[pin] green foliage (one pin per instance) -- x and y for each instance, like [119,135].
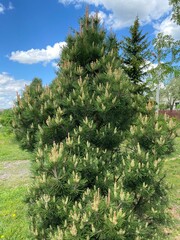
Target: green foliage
[98,168]
[172,92]
[135,56]
[178,106]
[30,111]
[6,117]
[159,131]
[89,86]
[165,46]
[85,192]
[27,114]
[16,226]
[166,52]
[163,106]
[176,10]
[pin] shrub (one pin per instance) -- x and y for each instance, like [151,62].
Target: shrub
[6,117]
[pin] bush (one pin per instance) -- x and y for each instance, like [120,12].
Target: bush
[6,117]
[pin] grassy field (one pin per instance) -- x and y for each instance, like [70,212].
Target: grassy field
[14,181]
[172,168]
[9,150]
[13,220]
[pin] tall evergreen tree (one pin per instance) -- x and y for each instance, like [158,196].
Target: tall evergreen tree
[89,64]
[89,181]
[94,108]
[135,56]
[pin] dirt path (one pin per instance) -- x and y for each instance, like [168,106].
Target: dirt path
[14,173]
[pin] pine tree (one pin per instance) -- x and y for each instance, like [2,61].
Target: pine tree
[135,56]
[30,111]
[88,85]
[94,108]
[26,114]
[92,178]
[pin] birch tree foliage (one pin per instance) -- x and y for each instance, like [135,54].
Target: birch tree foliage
[172,90]
[166,58]
[176,10]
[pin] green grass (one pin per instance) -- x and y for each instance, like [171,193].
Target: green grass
[9,149]
[13,220]
[172,168]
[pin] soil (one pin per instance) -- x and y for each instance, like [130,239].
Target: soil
[13,173]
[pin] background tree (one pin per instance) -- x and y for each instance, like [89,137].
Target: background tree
[6,118]
[171,92]
[136,56]
[176,10]
[166,53]
[31,110]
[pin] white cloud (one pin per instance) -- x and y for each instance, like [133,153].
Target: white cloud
[101,15]
[2,8]
[123,12]
[38,55]
[55,65]
[8,89]
[150,66]
[167,26]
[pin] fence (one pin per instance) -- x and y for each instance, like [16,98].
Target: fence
[171,113]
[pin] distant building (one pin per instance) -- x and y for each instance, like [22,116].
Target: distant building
[176,105]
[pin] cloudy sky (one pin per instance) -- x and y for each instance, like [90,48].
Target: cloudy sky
[34,32]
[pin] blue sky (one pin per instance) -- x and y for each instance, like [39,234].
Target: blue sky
[34,32]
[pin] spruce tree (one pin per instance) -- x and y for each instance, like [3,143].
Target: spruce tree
[135,56]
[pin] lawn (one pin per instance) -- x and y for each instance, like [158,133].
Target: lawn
[14,180]
[13,186]
[172,168]
[9,149]
[13,220]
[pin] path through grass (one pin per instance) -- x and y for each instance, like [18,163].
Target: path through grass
[14,180]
